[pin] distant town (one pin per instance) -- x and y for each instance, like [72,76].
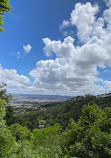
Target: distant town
[28,102]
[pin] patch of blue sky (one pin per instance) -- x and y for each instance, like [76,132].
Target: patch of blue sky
[104,73]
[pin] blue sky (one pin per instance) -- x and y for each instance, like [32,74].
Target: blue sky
[28,23]
[57,47]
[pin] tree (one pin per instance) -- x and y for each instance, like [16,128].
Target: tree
[9,115]
[3,94]
[47,140]
[6,140]
[4,7]
[90,137]
[11,147]
[19,132]
[47,136]
[6,98]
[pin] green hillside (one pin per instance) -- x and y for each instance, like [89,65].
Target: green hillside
[61,112]
[80,127]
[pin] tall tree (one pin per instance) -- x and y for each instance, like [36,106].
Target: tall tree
[4,7]
[3,94]
[6,98]
[6,140]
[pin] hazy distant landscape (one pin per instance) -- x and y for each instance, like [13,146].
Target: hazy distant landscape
[22,99]
[29,102]
[39,98]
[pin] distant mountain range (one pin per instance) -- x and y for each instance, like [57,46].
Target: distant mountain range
[41,98]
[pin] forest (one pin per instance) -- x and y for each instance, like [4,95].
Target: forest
[78,128]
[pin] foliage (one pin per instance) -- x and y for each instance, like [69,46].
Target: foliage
[9,115]
[23,149]
[48,140]
[6,98]
[4,7]
[47,135]
[87,137]
[19,132]
[3,94]
[62,112]
[90,137]
[6,140]
[18,142]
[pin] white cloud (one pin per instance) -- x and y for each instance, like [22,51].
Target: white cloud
[74,71]
[83,17]
[107,85]
[27,48]
[108,2]
[75,68]
[65,23]
[15,82]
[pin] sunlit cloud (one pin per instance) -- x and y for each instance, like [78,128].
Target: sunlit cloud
[27,48]
[74,71]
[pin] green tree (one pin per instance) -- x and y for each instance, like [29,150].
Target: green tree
[3,94]
[6,98]
[4,7]
[6,140]
[9,115]
[19,132]
[47,136]
[90,137]
[9,147]
[47,140]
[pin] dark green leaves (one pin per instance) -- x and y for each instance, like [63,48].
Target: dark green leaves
[90,137]
[4,7]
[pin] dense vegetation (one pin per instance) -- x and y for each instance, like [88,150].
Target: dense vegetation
[60,112]
[4,7]
[86,130]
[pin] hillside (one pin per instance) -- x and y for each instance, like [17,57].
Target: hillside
[75,128]
[52,113]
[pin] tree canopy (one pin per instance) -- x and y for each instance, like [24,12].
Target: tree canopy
[87,137]
[4,7]
[90,137]
[3,94]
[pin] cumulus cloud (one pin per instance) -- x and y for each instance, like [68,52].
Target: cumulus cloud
[108,2]
[107,85]
[74,71]
[27,48]
[15,82]
[83,17]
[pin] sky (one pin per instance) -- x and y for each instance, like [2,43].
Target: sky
[57,47]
